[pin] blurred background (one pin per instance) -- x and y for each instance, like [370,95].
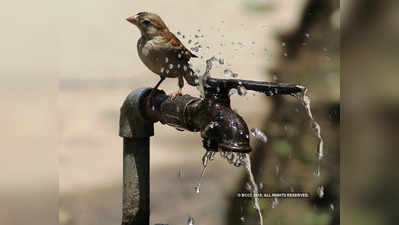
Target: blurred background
[67,67]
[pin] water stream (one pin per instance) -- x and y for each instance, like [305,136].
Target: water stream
[238,160]
[254,188]
[305,100]
[208,156]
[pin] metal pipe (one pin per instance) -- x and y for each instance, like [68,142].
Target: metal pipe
[136,132]
[136,187]
[221,129]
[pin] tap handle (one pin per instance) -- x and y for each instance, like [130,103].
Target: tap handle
[268,88]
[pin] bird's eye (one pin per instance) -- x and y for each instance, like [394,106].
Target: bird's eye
[145,22]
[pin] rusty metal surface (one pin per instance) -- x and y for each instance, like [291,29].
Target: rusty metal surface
[136,132]
[220,127]
[132,123]
[136,187]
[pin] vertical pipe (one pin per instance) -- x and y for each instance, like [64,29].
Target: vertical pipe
[136,177]
[136,132]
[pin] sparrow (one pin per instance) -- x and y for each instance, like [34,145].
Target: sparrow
[162,52]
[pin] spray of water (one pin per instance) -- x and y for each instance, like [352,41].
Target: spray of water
[254,188]
[208,156]
[305,100]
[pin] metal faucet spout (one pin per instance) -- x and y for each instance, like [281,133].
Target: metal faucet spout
[221,128]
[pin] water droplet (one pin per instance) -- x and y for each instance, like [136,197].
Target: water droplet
[195,49]
[180,174]
[248,186]
[320,191]
[307,35]
[277,170]
[229,73]
[242,219]
[261,185]
[190,221]
[166,59]
[259,135]
[185,68]
[283,44]
[317,172]
[274,203]
[232,91]
[332,207]
[197,189]
[153,108]
[285,54]
[170,66]
[242,91]
[178,66]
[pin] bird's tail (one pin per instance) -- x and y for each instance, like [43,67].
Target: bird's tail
[191,78]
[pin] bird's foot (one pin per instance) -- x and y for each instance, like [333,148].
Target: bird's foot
[177,93]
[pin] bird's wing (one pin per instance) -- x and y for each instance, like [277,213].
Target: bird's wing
[179,47]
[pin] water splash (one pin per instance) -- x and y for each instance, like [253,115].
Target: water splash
[321,191]
[315,126]
[242,91]
[195,49]
[234,158]
[229,73]
[317,171]
[259,135]
[204,76]
[208,156]
[247,163]
[274,203]
[232,91]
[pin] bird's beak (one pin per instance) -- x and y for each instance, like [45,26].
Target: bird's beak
[133,19]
